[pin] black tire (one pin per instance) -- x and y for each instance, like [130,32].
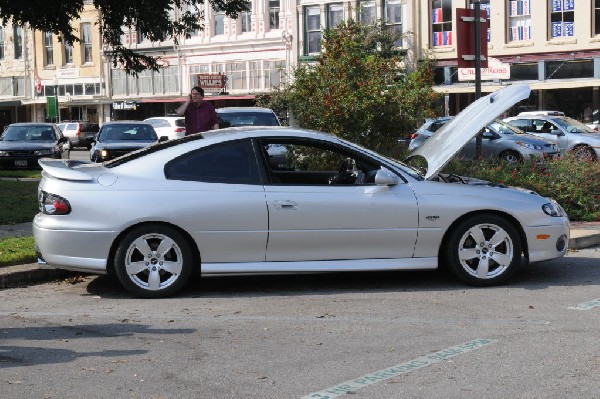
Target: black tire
[584,153]
[148,273]
[483,250]
[511,157]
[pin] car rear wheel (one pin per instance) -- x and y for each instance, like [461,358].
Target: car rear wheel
[483,250]
[153,261]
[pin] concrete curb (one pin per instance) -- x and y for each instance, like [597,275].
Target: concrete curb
[28,274]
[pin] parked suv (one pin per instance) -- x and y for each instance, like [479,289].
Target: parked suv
[500,140]
[570,135]
[80,133]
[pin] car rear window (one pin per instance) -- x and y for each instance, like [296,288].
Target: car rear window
[233,119]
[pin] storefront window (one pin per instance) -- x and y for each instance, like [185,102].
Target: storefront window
[367,13]
[335,15]
[485,6]
[312,23]
[519,20]
[562,18]
[441,22]
[236,76]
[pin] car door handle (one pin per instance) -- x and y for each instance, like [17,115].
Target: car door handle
[285,204]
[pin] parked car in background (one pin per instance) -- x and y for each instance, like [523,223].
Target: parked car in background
[80,133]
[118,138]
[595,123]
[500,140]
[569,134]
[22,144]
[246,116]
[171,126]
[215,203]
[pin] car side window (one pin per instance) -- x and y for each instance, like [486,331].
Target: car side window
[523,124]
[314,163]
[232,162]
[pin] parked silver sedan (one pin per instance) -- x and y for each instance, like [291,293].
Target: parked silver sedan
[274,199]
[570,135]
[499,140]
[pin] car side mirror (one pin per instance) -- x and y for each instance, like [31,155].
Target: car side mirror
[384,177]
[488,135]
[556,132]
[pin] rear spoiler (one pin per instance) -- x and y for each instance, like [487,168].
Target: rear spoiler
[62,169]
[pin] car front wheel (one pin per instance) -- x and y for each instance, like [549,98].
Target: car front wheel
[153,261]
[483,250]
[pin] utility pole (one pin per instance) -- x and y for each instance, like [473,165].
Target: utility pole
[477,12]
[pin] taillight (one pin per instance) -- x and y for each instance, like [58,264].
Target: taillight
[179,129]
[414,136]
[52,204]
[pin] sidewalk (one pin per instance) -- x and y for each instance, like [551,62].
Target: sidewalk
[583,235]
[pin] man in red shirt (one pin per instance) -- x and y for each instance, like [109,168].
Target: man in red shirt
[200,115]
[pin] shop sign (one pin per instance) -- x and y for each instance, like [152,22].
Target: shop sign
[65,73]
[125,105]
[211,82]
[496,70]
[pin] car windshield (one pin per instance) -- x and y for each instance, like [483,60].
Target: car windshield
[29,133]
[504,128]
[247,118]
[127,132]
[573,126]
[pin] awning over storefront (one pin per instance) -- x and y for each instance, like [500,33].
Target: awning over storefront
[10,103]
[207,97]
[534,84]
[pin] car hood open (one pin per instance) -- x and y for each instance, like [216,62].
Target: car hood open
[454,135]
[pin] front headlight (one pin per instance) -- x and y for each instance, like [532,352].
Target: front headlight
[4,153]
[44,152]
[554,209]
[530,146]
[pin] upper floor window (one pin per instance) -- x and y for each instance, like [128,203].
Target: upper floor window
[335,15]
[18,41]
[274,14]
[246,17]
[441,22]
[1,43]
[485,6]
[312,25]
[219,23]
[393,18]
[519,20]
[562,18]
[48,49]
[367,12]
[596,26]
[86,41]
[68,51]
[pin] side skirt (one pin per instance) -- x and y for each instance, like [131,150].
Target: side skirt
[322,266]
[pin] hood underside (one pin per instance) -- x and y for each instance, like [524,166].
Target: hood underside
[446,142]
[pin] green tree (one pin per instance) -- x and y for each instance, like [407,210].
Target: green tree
[152,18]
[360,88]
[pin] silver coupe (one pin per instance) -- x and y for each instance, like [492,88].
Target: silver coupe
[285,200]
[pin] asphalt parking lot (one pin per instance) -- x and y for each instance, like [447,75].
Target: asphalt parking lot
[375,335]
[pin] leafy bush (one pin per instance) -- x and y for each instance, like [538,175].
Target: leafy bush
[575,185]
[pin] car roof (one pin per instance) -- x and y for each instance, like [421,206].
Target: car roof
[540,112]
[32,124]
[164,117]
[244,109]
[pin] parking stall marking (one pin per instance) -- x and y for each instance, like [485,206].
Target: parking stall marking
[394,371]
[587,305]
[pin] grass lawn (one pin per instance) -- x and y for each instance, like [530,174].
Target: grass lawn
[16,251]
[19,201]
[19,205]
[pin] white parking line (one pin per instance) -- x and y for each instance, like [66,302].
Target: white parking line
[394,371]
[587,305]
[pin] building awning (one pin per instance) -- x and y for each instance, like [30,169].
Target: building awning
[489,87]
[10,103]
[208,97]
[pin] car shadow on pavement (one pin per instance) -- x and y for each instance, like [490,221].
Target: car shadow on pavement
[577,271]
